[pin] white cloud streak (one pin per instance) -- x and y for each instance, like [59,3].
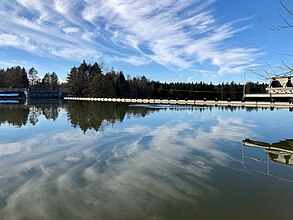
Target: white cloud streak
[177,34]
[118,169]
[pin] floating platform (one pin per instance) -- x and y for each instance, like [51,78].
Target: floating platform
[268,96]
[189,102]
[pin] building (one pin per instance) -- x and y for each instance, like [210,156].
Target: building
[279,89]
[280,85]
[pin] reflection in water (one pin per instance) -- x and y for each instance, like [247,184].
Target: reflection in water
[50,110]
[280,152]
[20,114]
[91,115]
[177,163]
[85,115]
[14,114]
[112,173]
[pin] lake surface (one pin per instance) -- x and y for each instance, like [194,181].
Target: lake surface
[85,160]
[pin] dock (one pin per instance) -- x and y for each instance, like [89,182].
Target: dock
[270,95]
[260,104]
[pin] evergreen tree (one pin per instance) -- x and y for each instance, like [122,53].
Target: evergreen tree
[46,85]
[97,86]
[54,81]
[95,80]
[24,79]
[84,73]
[74,83]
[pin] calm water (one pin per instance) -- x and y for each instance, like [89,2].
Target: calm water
[109,161]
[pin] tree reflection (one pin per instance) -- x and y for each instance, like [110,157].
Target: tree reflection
[20,114]
[50,110]
[16,115]
[34,115]
[88,115]
[85,115]
[93,115]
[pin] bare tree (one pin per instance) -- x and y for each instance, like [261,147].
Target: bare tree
[285,69]
[270,72]
[286,15]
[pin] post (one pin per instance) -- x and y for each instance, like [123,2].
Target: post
[244,84]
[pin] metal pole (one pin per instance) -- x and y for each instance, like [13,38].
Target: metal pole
[244,84]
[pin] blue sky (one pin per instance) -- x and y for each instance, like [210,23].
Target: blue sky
[167,40]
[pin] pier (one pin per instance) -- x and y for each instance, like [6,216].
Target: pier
[189,102]
[270,96]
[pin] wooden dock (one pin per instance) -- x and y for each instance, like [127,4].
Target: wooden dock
[189,102]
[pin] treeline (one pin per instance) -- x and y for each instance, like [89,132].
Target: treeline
[19,77]
[15,77]
[91,81]
[49,82]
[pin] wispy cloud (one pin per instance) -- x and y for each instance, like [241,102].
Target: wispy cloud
[117,169]
[134,60]
[177,34]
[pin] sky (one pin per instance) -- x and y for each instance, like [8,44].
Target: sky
[168,40]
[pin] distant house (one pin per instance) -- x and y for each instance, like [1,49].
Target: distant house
[279,89]
[281,85]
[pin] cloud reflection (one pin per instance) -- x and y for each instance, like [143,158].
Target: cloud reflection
[130,171]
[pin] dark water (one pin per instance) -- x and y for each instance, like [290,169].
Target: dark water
[85,160]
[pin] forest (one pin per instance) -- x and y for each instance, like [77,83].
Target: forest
[19,77]
[90,80]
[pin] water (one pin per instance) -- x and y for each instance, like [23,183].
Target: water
[85,160]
